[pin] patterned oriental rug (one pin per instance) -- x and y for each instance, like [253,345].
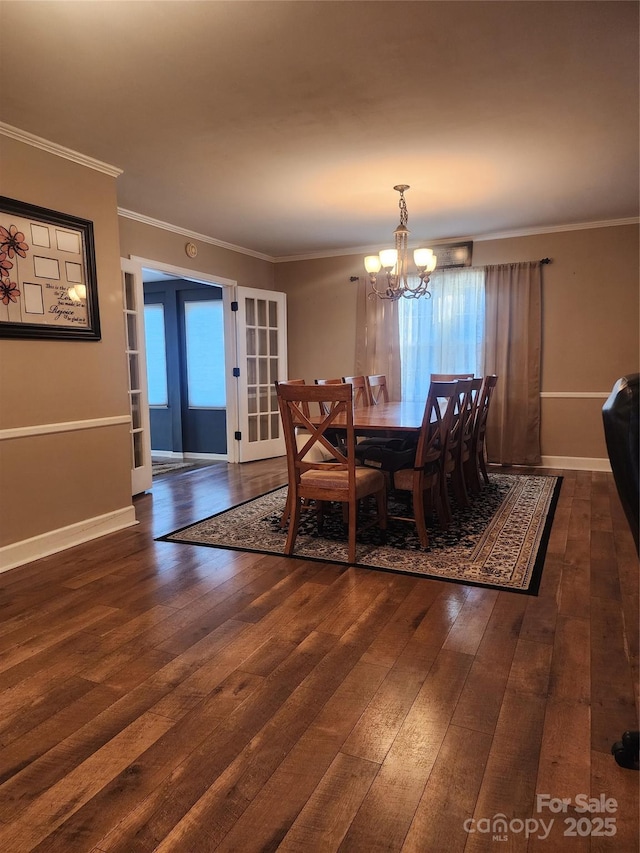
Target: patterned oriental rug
[499,541]
[165,467]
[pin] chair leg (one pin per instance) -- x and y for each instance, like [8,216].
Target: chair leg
[459,487]
[381,504]
[445,513]
[418,514]
[471,475]
[294,521]
[483,467]
[353,511]
[286,512]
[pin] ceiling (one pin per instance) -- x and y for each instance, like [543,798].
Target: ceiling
[282,127]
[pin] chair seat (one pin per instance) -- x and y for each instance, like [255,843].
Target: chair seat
[403,479]
[367,481]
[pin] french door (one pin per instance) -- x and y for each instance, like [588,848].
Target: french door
[261,338]
[255,347]
[141,471]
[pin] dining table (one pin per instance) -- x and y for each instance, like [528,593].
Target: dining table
[403,416]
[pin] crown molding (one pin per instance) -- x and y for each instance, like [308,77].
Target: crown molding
[478,238]
[555,229]
[113,171]
[203,238]
[58,150]
[363,250]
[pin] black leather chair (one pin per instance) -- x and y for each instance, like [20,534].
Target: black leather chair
[620,417]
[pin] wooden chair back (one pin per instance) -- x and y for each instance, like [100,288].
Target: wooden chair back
[426,480]
[324,406]
[378,390]
[437,420]
[298,382]
[470,418]
[460,439]
[484,401]
[462,405]
[361,396]
[293,400]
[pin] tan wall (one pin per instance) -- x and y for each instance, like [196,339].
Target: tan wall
[589,334]
[321,311]
[58,479]
[156,244]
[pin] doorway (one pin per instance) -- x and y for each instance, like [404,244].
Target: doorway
[185,356]
[253,340]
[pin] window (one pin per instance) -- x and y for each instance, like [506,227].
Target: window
[443,334]
[204,335]
[156,355]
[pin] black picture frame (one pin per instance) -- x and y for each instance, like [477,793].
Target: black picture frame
[48,284]
[454,255]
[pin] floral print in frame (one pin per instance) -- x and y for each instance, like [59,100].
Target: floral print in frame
[47,274]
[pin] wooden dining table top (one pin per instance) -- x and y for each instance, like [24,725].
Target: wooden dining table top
[404,416]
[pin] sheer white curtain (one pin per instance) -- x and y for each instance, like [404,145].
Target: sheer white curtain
[444,334]
[377,339]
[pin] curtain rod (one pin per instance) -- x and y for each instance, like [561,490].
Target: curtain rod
[545,261]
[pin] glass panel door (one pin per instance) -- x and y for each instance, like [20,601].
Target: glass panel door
[133,301]
[262,359]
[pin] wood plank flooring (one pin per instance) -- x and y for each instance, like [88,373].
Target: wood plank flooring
[166,697]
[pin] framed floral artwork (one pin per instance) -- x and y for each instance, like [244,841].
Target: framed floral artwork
[47,274]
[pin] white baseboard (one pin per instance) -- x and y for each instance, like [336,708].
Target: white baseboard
[19,553]
[206,457]
[168,454]
[576,463]
[177,456]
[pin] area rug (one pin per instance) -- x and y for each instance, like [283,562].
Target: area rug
[166,467]
[499,541]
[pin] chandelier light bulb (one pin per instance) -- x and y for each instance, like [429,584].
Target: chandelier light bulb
[388,258]
[423,258]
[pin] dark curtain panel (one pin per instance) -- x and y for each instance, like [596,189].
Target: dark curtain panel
[512,351]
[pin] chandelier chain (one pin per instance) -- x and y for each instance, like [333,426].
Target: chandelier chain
[404,214]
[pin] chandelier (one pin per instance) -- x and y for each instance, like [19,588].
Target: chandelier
[395,263]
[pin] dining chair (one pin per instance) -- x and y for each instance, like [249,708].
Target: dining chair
[468,410]
[425,478]
[378,389]
[361,396]
[317,453]
[449,377]
[476,464]
[452,461]
[336,480]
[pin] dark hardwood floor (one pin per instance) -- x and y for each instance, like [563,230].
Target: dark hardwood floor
[167,697]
